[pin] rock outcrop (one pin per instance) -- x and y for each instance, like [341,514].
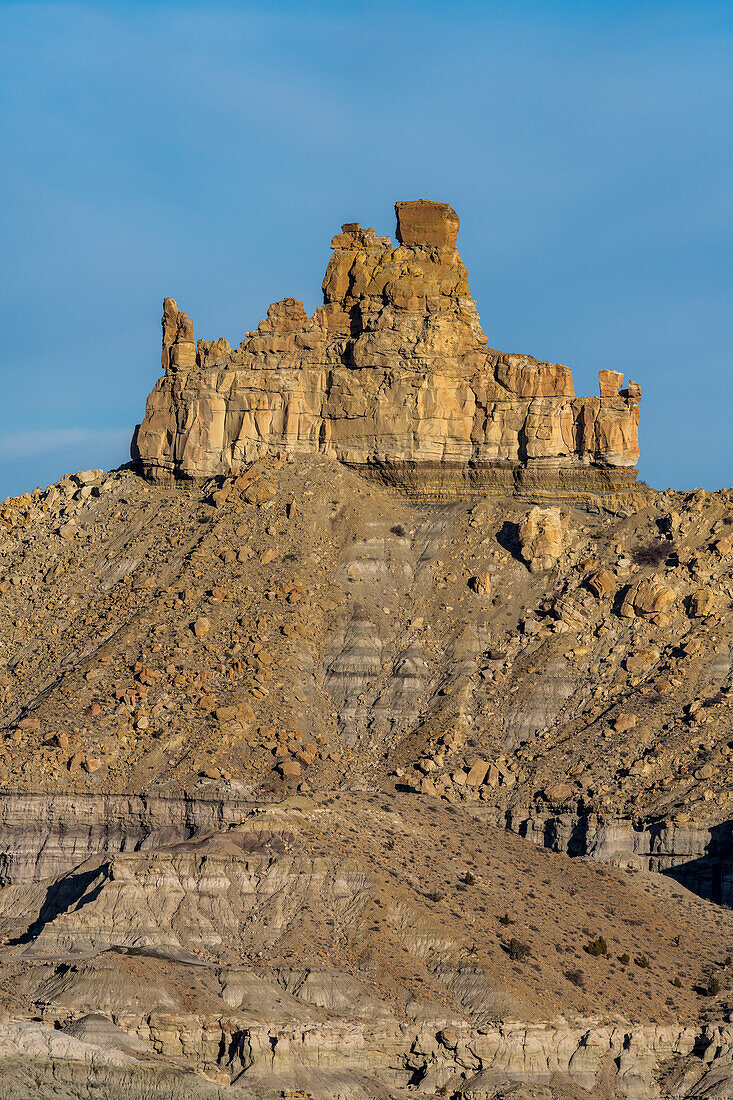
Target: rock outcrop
[540,537]
[392,375]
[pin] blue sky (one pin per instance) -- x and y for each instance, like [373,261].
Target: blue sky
[208,151]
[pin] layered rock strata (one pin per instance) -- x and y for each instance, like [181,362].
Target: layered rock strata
[392,375]
[361,1062]
[43,836]
[299,953]
[695,854]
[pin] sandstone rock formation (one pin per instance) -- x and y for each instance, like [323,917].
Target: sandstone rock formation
[650,596]
[391,375]
[540,537]
[293,765]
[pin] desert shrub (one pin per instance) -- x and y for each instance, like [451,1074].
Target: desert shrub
[576,977]
[713,987]
[642,961]
[505,920]
[653,553]
[596,947]
[624,959]
[434,895]
[517,950]
[468,879]
[677,983]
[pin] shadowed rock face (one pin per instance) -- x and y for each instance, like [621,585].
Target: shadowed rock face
[392,374]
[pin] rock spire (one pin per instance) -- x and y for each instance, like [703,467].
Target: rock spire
[392,375]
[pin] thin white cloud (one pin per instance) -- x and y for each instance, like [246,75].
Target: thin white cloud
[39,442]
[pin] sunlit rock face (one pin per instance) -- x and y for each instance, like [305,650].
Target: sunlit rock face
[391,375]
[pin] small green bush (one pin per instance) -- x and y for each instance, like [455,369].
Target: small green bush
[642,961]
[506,919]
[596,947]
[713,987]
[677,983]
[624,959]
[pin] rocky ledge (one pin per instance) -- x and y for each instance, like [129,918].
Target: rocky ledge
[392,375]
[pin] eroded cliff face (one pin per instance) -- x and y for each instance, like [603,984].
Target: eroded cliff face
[346,946]
[391,375]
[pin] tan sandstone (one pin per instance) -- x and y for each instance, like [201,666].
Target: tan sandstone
[541,538]
[392,375]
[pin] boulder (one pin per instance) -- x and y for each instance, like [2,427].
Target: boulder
[647,597]
[642,660]
[201,627]
[260,492]
[602,583]
[422,222]
[481,584]
[556,793]
[541,539]
[477,773]
[570,612]
[701,602]
[88,477]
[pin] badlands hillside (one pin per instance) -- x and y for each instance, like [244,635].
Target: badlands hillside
[369,734]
